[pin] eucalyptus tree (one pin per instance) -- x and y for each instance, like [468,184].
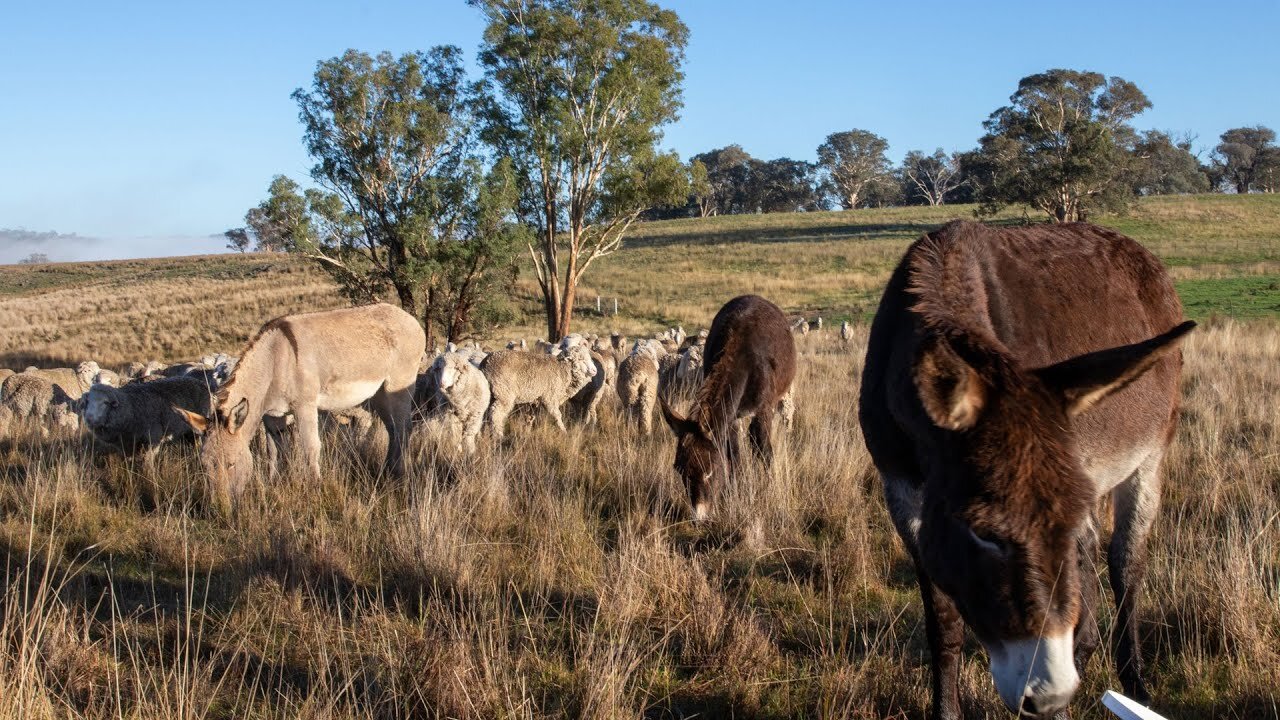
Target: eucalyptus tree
[578,91]
[1063,145]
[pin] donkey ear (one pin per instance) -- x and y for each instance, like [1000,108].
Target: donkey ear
[952,392]
[679,424]
[198,422]
[238,415]
[1086,379]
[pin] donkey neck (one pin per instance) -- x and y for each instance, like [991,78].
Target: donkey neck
[256,377]
[720,398]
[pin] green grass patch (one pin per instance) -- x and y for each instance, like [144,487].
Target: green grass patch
[1242,297]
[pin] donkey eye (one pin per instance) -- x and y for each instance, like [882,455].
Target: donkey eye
[988,542]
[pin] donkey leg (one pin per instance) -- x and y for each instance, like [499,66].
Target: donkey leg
[1086,634]
[393,408]
[945,630]
[943,625]
[760,434]
[1136,503]
[308,419]
[274,427]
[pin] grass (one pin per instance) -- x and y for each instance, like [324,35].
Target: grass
[553,575]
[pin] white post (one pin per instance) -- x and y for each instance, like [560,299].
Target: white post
[615,306]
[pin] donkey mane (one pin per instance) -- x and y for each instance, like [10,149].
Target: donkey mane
[280,324]
[721,391]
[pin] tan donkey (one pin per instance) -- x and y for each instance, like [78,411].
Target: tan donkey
[302,364]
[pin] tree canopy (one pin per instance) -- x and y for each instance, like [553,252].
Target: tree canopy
[403,203]
[577,95]
[1247,158]
[854,159]
[1063,145]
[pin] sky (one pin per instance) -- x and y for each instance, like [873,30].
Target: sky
[135,129]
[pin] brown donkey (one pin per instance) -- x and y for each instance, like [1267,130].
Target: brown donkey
[749,362]
[985,408]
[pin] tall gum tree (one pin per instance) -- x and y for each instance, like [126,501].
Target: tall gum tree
[578,91]
[1063,145]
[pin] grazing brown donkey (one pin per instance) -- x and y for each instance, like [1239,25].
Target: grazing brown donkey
[302,364]
[985,408]
[749,362]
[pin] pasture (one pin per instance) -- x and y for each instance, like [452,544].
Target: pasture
[554,575]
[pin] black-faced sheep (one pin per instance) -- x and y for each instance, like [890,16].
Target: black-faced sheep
[142,415]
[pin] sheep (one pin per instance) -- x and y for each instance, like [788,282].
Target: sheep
[846,333]
[4,375]
[27,396]
[543,346]
[181,369]
[819,323]
[787,408]
[587,400]
[517,378]
[143,416]
[618,347]
[518,345]
[89,373]
[65,378]
[638,382]
[681,375]
[464,394]
[801,326]
[474,354]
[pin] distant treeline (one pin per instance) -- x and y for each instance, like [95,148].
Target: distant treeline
[1014,164]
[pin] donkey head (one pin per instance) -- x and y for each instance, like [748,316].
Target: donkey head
[700,460]
[1006,503]
[224,451]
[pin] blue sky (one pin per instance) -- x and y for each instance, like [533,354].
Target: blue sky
[146,127]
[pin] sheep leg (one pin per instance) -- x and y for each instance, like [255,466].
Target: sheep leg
[470,430]
[647,400]
[554,411]
[498,413]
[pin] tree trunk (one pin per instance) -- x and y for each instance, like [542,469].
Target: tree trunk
[566,307]
[427,327]
[1242,188]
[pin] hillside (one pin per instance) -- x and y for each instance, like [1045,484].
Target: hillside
[1223,250]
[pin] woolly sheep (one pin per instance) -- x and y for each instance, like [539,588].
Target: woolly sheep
[27,396]
[845,332]
[801,326]
[141,416]
[464,396]
[681,375]
[638,382]
[90,373]
[517,378]
[65,378]
[587,400]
